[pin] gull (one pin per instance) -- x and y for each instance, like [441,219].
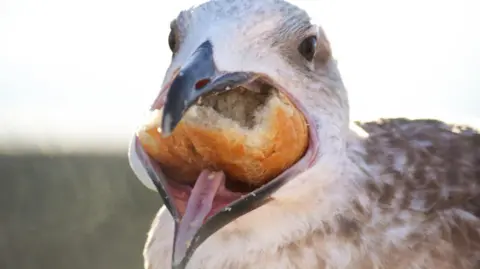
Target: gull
[388,194]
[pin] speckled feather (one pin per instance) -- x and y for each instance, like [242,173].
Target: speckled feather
[424,182]
[405,195]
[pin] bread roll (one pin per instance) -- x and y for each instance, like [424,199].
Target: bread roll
[252,137]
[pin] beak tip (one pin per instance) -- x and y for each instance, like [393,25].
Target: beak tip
[178,266]
[168,124]
[179,261]
[166,134]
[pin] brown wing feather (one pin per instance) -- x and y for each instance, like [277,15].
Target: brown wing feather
[433,168]
[438,159]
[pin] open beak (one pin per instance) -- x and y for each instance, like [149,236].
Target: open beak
[197,78]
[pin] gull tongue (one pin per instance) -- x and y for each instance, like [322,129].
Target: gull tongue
[198,206]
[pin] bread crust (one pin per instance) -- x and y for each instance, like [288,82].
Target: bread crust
[253,156]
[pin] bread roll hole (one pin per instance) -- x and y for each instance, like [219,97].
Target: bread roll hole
[243,105]
[240,104]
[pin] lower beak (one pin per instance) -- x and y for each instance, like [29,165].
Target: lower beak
[188,238]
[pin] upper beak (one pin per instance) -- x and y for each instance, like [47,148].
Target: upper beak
[196,78]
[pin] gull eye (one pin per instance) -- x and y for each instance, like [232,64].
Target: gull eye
[172,41]
[307,47]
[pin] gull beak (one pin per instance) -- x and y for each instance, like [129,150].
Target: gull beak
[197,77]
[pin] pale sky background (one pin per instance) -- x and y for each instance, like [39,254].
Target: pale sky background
[86,71]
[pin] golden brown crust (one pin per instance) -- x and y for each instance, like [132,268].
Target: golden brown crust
[193,147]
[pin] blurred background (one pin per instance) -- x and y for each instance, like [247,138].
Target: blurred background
[77,76]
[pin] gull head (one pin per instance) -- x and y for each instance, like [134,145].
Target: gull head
[256,45]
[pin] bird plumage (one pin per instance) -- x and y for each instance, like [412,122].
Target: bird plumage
[402,195]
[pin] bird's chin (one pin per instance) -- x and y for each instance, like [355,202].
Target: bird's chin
[227,198]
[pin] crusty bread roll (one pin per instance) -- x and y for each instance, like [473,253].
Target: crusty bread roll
[251,136]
